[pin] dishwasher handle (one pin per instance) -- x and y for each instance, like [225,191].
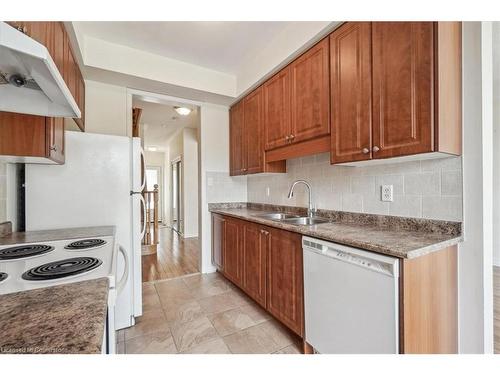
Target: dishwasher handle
[389,268]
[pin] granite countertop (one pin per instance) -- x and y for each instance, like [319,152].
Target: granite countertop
[67,318]
[56,234]
[390,235]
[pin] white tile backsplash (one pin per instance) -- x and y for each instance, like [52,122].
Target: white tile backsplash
[429,189]
[223,188]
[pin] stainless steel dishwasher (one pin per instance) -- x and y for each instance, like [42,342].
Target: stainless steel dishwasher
[351,299]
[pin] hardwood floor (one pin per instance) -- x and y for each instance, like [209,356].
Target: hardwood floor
[176,257]
[496,303]
[203,314]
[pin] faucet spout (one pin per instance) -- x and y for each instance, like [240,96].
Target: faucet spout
[310,210]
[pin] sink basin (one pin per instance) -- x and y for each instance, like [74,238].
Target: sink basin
[278,216]
[306,220]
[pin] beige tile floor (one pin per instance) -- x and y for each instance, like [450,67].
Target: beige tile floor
[203,314]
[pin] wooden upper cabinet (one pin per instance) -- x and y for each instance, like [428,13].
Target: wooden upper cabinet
[236,140]
[70,71]
[310,95]
[351,92]
[403,95]
[232,250]
[31,139]
[285,291]
[277,110]
[57,50]
[254,258]
[55,139]
[253,131]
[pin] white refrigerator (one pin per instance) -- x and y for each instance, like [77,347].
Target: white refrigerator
[95,187]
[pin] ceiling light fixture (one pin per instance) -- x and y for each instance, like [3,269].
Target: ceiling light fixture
[183,111]
[152,148]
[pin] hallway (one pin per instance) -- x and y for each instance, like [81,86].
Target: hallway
[176,257]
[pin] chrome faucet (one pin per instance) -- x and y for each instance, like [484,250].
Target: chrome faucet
[310,210]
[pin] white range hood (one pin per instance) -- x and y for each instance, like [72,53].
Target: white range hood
[29,79]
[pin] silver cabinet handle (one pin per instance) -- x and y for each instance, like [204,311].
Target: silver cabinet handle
[376,149]
[365,151]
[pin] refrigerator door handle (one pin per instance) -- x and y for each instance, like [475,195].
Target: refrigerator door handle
[143,170]
[143,202]
[124,278]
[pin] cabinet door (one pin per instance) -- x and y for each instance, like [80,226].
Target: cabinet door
[253,128]
[22,135]
[255,247]
[232,251]
[277,126]
[218,234]
[311,94]
[236,140]
[351,107]
[55,139]
[284,279]
[403,71]
[57,51]
[70,68]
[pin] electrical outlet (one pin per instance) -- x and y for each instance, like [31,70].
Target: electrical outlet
[387,193]
[268,191]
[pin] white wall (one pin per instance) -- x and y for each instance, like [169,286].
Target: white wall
[475,253]
[424,189]
[105,109]
[496,143]
[190,181]
[279,50]
[101,54]
[214,157]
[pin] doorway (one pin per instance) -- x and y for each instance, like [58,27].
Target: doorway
[170,139]
[176,203]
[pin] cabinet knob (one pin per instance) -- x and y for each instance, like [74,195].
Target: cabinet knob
[292,137]
[287,138]
[376,149]
[365,151]
[53,148]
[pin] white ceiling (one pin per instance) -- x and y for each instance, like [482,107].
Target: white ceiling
[160,122]
[221,46]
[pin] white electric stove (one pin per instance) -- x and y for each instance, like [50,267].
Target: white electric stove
[49,263]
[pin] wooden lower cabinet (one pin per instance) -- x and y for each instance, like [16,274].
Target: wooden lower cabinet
[264,262]
[267,264]
[285,291]
[256,244]
[232,261]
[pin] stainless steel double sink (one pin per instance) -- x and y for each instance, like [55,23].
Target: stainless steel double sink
[292,218]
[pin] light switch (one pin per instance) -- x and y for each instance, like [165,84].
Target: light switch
[387,193]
